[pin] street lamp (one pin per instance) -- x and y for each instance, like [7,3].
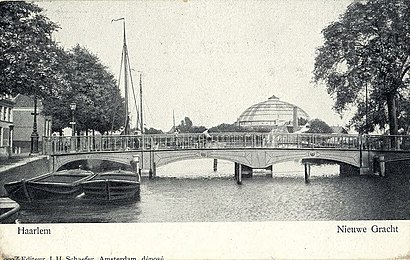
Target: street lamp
[34,135]
[73,106]
[367,112]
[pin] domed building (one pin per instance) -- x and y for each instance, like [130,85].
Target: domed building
[272,114]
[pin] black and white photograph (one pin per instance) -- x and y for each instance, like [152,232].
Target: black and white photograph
[228,129]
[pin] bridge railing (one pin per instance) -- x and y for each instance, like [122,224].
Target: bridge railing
[387,142]
[225,140]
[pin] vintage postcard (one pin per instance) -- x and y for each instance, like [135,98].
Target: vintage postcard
[158,130]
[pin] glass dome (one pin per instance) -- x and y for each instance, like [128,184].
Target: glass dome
[270,113]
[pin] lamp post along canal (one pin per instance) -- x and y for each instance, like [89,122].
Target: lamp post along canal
[34,135]
[73,106]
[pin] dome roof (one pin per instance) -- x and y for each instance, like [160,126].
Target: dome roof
[269,113]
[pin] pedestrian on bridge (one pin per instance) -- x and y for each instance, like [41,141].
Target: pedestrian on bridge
[207,138]
[176,133]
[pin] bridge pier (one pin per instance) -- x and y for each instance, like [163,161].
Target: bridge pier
[382,166]
[152,165]
[236,170]
[135,164]
[239,180]
[366,159]
[379,165]
[307,172]
[238,173]
[270,169]
[152,173]
[243,171]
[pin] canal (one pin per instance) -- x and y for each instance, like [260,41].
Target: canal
[191,191]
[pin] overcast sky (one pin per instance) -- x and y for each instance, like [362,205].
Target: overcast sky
[208,60]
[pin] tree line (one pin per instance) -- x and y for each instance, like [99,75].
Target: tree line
[364,64]
[33,64]
[315,126]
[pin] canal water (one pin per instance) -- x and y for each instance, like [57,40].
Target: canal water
[191,191]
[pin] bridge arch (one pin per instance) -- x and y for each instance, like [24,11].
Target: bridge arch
[57,161]
[252,157]
[350,159]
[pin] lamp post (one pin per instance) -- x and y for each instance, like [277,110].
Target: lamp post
[73,106]
[34,135]
[367,111]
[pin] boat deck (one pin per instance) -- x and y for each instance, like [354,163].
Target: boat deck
[120,176]
[62,178]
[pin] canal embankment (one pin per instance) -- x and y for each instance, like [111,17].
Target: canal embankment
[22,167]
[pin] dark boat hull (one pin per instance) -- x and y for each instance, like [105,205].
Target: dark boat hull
[18,191]
[120,185]
[8,211]
[50,186]
[50,191]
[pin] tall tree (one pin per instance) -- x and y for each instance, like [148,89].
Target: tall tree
[368,48]
[187,126]
[319,126]
[93,89]
[29,58]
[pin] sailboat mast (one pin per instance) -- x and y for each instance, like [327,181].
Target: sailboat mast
[142,119]
[125,50]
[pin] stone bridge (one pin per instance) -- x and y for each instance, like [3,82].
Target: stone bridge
[364,154]
[252,150]
[259,158]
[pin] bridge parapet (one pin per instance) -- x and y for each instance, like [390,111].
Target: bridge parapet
[86,144]
[387,142]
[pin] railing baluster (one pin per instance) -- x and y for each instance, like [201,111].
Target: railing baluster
[227,140]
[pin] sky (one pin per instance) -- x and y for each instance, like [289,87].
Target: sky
[208,60]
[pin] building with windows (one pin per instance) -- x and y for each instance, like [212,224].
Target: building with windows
[6,125]
[273,114]
[23,123]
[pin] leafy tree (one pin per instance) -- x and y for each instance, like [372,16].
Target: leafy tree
[302,121]
[29,58]
[152,131]
[198,129]
[368,48]
[94,91]
[226,128]
[319,126]
[235,128]
[99,99]
[186,126]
